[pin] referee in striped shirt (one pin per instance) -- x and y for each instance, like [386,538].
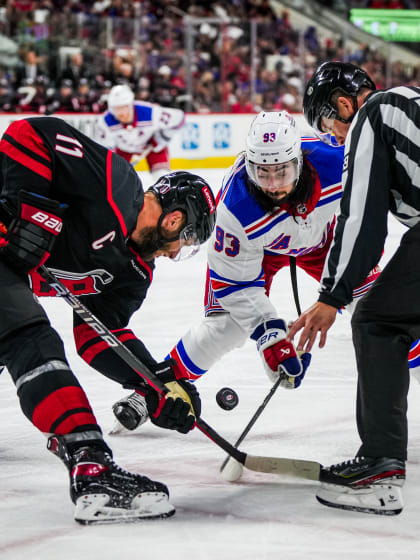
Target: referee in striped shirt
[381,174]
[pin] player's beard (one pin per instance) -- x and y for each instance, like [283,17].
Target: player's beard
[277,197]
[149,241]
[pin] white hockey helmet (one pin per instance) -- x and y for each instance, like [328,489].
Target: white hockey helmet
[274,140]
[119,96]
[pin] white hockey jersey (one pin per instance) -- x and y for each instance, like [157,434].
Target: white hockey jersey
[244,233]
[152,124]
[236,300]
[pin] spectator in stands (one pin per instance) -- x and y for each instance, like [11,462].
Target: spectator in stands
[64,100]
[160,44]
[33,98]
[75,70]
[87,98]
[7,97]
[29,68]
[311,39]
[242,103]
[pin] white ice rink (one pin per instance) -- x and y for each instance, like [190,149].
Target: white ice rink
[262,517]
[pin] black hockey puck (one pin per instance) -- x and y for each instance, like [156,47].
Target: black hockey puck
[226,398]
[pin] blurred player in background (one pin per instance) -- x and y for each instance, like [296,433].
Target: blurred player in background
[137,130]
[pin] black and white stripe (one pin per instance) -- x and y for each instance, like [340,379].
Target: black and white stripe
[381,173]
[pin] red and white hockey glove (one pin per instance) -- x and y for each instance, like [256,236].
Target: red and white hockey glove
[178,409]
[31,235]
[279,356]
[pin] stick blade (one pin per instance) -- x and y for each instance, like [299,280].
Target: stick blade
[298,468]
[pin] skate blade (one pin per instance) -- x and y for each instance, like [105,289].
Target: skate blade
[92,509]
[118,428]
[381,499]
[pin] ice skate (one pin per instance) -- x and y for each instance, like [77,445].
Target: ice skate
[364,484]
[103,492]
[130,413]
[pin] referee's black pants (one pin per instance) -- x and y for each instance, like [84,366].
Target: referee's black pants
[385,323]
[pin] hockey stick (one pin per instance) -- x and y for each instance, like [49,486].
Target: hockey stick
[298,468]
[254,418]
[258,412]
[139,157]
[293,278]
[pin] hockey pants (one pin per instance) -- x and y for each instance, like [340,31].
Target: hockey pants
[49,393]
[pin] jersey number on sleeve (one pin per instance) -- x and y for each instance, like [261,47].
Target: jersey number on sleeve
[165,117]
[226,241]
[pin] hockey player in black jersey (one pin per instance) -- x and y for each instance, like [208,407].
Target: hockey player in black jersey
[72,204]
[381,174]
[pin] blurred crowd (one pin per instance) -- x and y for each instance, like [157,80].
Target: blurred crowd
[70,53]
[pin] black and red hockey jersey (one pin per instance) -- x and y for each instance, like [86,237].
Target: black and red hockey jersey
[92,255]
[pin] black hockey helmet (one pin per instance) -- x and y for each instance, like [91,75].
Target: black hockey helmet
[192,195]
[328,78]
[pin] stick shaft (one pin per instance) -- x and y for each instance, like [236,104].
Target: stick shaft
[255,417]
[88,317]
[125,354]
[293,279]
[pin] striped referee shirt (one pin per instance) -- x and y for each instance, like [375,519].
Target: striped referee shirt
[381,173]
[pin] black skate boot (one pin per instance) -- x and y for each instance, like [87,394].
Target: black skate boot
[130,413]
[102,491]
[365,484]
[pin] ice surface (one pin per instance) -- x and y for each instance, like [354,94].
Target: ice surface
[262,517]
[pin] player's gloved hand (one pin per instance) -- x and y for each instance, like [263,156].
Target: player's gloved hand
[31,234]
[279,356]
[178,409]
[289,382]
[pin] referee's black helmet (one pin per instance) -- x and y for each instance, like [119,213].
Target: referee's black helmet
[328,78]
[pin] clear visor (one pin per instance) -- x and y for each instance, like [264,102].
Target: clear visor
[189,244]
[325,125]
[272,177]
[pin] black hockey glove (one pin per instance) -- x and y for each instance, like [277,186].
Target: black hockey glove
[31,235]
[178,409]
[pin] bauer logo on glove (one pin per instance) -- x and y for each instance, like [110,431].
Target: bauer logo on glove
[269,337]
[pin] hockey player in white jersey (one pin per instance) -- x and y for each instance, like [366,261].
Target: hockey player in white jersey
[278,200]
[137,130]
